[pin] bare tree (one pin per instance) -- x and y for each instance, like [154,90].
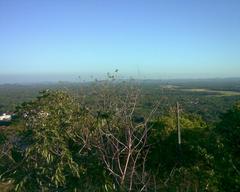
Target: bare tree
[121,140]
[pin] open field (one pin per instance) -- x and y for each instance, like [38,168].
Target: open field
[218,93]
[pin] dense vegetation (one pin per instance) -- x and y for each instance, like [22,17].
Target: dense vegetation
[208,104]
[112,136]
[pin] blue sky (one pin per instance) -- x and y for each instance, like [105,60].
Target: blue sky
[141,38]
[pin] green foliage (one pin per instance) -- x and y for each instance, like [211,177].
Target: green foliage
[49,127]
[229,128]
[228,131]
[182,170]
[2,138]
[63,143]
[45,157]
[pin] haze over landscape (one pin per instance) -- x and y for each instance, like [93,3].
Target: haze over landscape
[56,40]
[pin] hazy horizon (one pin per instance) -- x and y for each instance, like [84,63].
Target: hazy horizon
[62,40]
[55,78]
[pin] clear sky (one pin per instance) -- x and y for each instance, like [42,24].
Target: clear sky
[145,38]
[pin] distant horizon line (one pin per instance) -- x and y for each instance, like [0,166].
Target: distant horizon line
[119,79]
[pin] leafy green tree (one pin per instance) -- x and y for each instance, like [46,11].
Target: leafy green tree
[228,131]
[50,153]
[189,169]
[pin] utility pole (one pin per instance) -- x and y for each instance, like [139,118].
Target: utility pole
[178,125]
[179,148]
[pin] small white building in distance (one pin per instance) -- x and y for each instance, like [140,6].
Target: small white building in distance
[5,117]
